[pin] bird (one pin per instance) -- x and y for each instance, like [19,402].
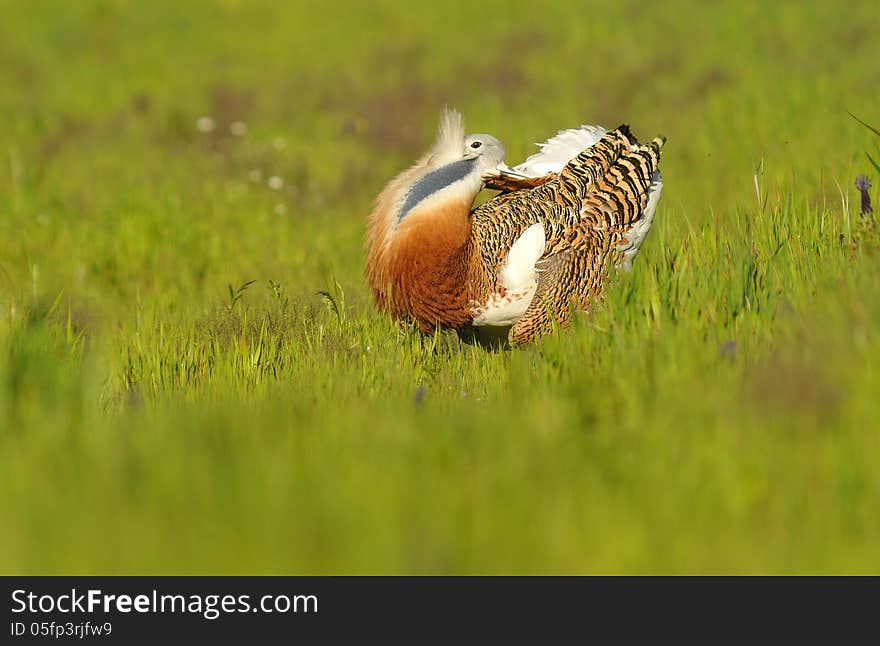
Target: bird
[523,261]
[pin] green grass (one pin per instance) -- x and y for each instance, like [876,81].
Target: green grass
[718,414]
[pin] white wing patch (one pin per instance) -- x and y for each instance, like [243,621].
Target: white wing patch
[519,270]
[557,151]
[518,279]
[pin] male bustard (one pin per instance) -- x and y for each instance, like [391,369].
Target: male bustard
[524,259]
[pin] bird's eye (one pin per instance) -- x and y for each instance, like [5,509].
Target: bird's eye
[476,144]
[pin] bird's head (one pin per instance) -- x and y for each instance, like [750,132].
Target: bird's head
[452,146]
[486,149]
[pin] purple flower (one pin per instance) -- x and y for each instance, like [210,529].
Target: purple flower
[728,348]
[863,184]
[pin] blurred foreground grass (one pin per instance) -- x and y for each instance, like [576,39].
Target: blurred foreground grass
[719,413]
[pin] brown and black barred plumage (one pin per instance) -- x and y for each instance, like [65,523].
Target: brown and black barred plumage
[526,258]
[586,212]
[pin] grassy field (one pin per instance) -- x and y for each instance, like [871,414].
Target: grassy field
[161,413]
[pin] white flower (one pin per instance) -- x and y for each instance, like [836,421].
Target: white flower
[205,124]
[275,182]
[238,128]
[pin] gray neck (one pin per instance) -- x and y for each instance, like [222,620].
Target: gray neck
[436,181]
